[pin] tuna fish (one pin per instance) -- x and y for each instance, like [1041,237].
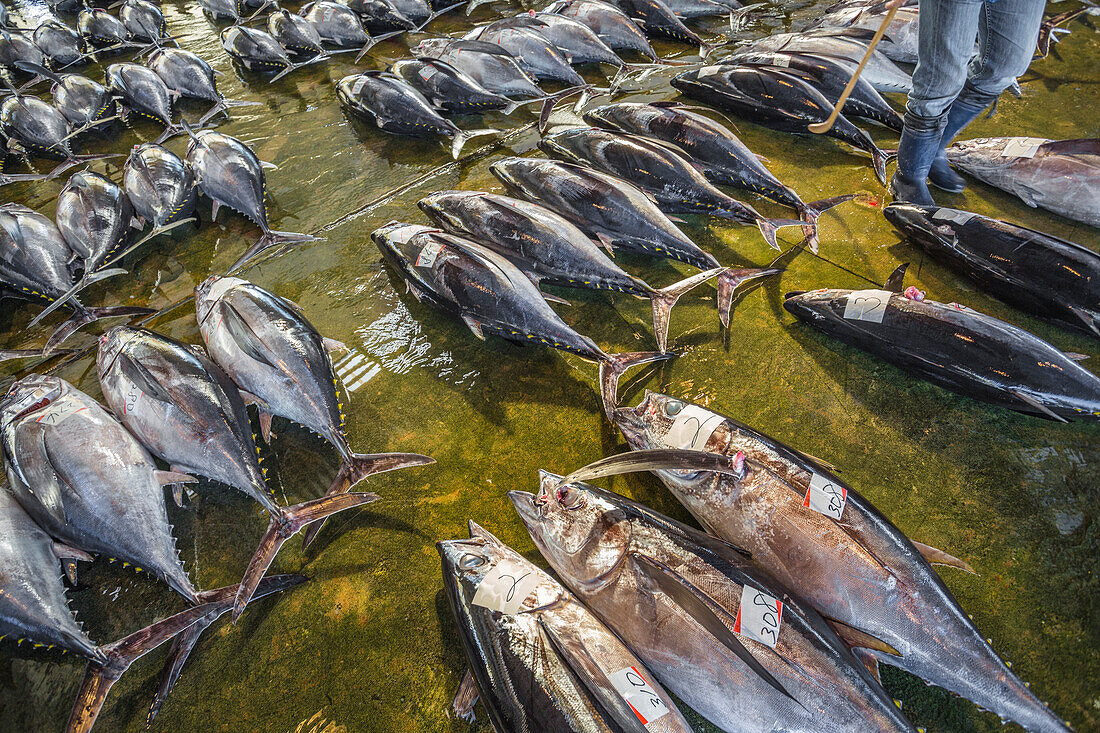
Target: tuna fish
[143,20]
[613,211]
[95,217]
[276,357]
[1062,176]
[486,291]
[189,76]
[882,73]
[229,172]
[724,159]
[398,108]
[818,535]
[101,30]
[486,63]
[723,636]
[548,248]
[60,44]
[257,50]
[1038,273]
[775,99]
[17,47]
[335,23]
[36,266]
[663,172]
[39,129]
[578,43]
[159,184]
[83,102]
[187,411]
[611,25]
[542,661]
[658,19]
[449,89]
[141,90]
[955,347]
[533,52]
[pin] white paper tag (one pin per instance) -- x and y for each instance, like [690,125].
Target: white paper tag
[780,60]
[506,587]
[867,305]
[709,70]
[58,412]
[130,398]
[1022,147]
[692,428]
[427,256]
[404,232]
[959,217]
[427,72]
[639,695]
[825,497]
[759,616]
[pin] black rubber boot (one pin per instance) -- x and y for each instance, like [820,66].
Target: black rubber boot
[961,114]
[918,147]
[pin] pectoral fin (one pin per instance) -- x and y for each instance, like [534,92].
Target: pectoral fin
[856,639]
[939,557]
[474,326]
[243,335]
[465,698]
[1034,403]
[575,656]
[169,478]
[706,613]
[143,378]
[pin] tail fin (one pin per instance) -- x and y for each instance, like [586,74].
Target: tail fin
[729,281]
[662,301]
[357,467]
[371,42]
[435,14]
[272,239]
[293,66]
[553,100]
[462,136]
[613,368]
[84,316]
[474,3]
[280,529]
[77,160]
[64,298]
[223,105]
[878,160]
[769,227]
[811,211]
[186,640]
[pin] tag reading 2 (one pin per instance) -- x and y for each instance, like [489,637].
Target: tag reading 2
[427,256]
[1022,147]
[759,616]
[867,305]
[639,695]
[506,587]
[692,428]
[825,497]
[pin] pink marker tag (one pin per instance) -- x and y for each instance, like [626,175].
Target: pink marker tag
[912,293]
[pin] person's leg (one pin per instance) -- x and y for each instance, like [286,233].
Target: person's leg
[1007,33]
[947,30]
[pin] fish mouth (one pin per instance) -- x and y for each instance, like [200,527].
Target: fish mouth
[794,294]
[525,504]
[29,395]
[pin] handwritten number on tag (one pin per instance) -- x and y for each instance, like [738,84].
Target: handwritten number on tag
[759,617]
[867,305]
[639,695]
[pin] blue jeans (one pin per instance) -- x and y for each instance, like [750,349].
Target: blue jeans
[1006,32]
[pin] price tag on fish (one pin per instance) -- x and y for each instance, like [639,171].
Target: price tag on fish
[691,429]
[959,217]
[427,256]
[58,412]
[759,616]
[867,305]
[1022,147]
[639,695]
[825,496]
[506,587]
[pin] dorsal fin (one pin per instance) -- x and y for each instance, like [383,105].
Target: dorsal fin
[894,283]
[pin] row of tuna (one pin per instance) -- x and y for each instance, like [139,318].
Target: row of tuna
[754,623]
[83,480]
[96,218]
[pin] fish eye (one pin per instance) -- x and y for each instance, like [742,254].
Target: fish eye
[469,561]
[673,407]
[570,497]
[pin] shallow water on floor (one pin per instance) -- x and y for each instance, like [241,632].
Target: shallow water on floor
[369,644]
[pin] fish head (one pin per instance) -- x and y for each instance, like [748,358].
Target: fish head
[29,394]
[513,172]
[431,46]
[440,207]
[814,306]
[395,237]
[111,344]
[562,144]
[210,291]
[582,534]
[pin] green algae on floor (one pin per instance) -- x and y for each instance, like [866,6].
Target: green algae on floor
[369,644]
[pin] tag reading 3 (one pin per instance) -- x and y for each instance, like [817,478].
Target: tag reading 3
[825,497]
[639,695]
[867,305]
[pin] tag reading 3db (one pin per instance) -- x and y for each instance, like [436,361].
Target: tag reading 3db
[506,587]
[825,497]
[639,695]
[759,616]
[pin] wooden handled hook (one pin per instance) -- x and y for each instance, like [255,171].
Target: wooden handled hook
[823,127]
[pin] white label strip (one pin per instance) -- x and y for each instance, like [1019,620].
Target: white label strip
[427,256]
[955,215]
[867,305]
[1022,147]
[692,428]
[783,61]
[639,695]
[709,70]
[506,587]
[428,72]
[759,616]
[404,232]
[825,497]
[58,412]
